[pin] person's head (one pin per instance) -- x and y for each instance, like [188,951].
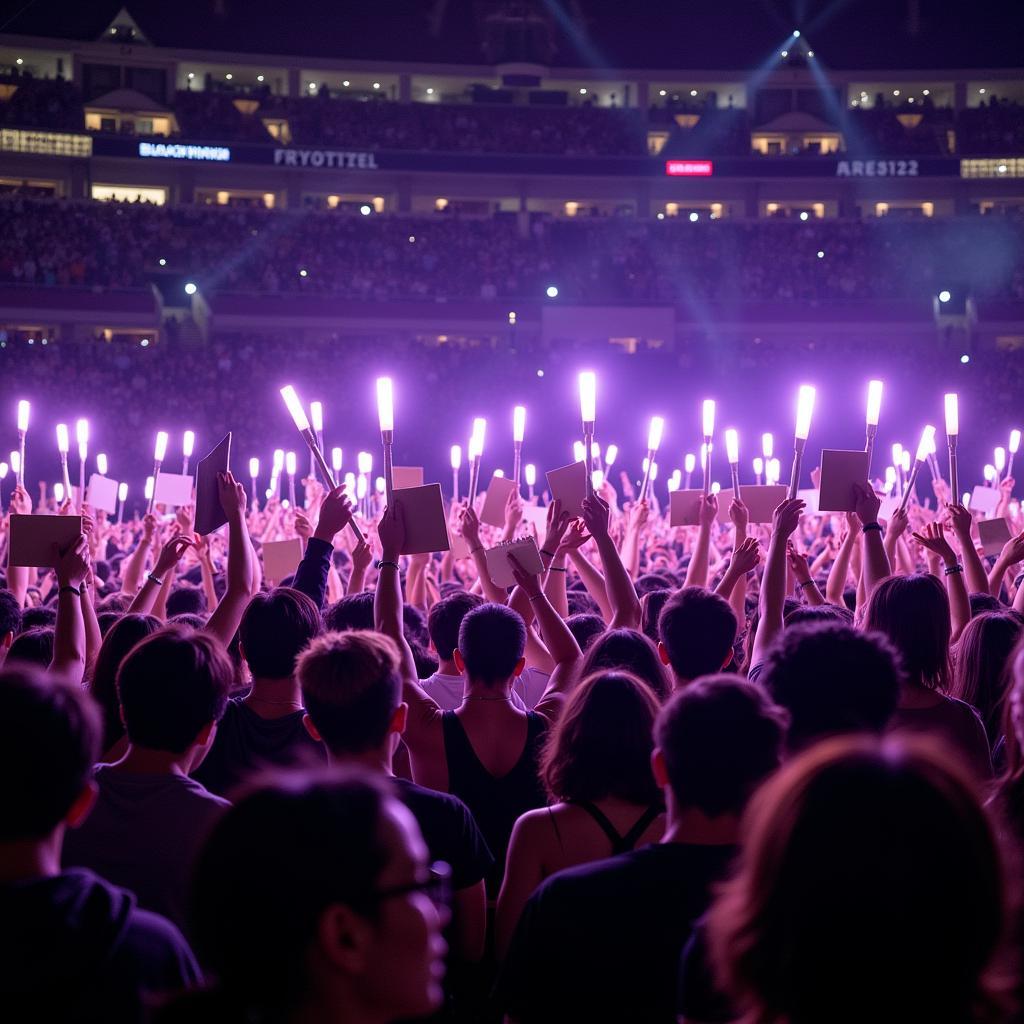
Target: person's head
[601,745]
[38,617]
[630,651]
[32,646]
[585,628]
[717,740]
[445,618]
[353,611]
[913,612]
[275,629]
[651,605]
[185,599]
[347,923]
[122,636]
[49,740]
[173,687]
[981,664]
[492,639]
[832,678]
[981,603]
[808,613]
[869,887]
[697,630]
[352,691]
[10,620]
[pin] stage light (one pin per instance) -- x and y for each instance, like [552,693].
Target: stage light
[804,215]
[303,272]
[583,92]
[661,216]
[190,288]
[694,217]
[376,85]
[430,91]
[259,78]
[785,53]
[965,358]
[661,92]
[144,343]
[345,83]
[551,291]
[191,75]
[810,53]
[365,210]
[945,295]
[540,373]
[693,92]
[926,92]
[228,76]
[796,33]
[162,262]
[821,254]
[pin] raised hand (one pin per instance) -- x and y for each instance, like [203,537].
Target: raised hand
[738,514]
[557,523]
[335,515]
[469,524]
[170,555]
[786,517]
[934,539]
[746,557]
[798,563]
[868,503]
[362,556]
[960,519]
[303,527]
[898,523]
[707,512]
[1013,550]
[391,533]
[148,527]
[528,581]
[73,562]
[513,512]
[639,514]
[576,536]
[21,501]
[232,495]
[596,514]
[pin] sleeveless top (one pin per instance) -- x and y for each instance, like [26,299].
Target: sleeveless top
[620,844]
[496,803]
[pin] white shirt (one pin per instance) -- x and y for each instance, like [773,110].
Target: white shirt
[448,691]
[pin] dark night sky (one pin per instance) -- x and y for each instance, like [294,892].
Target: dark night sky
[709,34]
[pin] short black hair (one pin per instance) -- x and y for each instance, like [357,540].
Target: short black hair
[651,605]
[351,688]
[10,613]
[492,639]
[818,613]
[185,599]
[444,619]
[33,646]
[275,629]
[353,611]
[832,679]
[585,628]
[41,615]
[49,740]
[720,737]
[172,684]
[698,629]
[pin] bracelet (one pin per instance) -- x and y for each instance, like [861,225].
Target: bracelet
[392,565]
[872,526]
[152,578]
[955,567]
[68,589]
[475,550]
[806,583]
[553,568]
[535,597]
[550,554]
[1016,582]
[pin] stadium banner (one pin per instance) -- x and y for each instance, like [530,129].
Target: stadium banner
[340,159]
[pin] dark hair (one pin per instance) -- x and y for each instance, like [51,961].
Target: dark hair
[492,639]
[1009,796]
[832,678]
[981,665]
[122,636]
[981,603]
[697,628]
[32,646]
[808,613]
[579,602]
[119,603]
[444,619]
[353,611]
[651,605]
[185,599]
[585,628]
[39,617]
[190,620]
[720,737]
[49,741]
[10,613]
[913,612]
[601,744]
[630,651]
[275,629]
[869,887]
[172,684]
[322,828]
[651,581]
[351,688]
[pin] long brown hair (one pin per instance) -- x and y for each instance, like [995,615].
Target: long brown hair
[603,741]
[870,887]
[981,665]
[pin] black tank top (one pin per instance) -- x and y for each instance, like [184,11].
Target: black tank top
[496,803]
[623,843]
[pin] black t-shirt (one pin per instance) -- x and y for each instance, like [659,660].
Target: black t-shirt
[449,830]
[247,744]
[602,941]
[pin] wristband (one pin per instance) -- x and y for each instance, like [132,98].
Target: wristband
[872,526]
[552,568]
[955,567]
[150,576]
[536,597]
[807,583]
[382,563]
[1017,581]
[68,589]
[550,554]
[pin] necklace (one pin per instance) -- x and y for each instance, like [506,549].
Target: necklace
[469,697]
[267,700]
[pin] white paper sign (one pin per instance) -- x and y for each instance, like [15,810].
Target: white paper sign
[173,489]
[102,493]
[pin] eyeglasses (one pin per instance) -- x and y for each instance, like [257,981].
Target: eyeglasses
[437,886]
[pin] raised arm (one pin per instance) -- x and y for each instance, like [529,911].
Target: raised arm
[876,562]
[1011,555]
[635,523]
[697,573]
[773,584]
[69,655]
[593,581]
[962,520]
[223,623]
[18,575]
[625,605]
[804,579]
[470,526]
[311,575]
[166,562]
[744,559]
[362,556]
[934,539]
[136,561]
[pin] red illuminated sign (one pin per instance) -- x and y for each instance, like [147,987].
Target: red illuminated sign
[689,168]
